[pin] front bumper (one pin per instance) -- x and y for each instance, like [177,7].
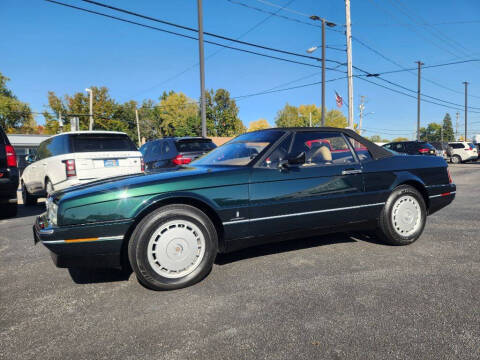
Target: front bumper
[89,245]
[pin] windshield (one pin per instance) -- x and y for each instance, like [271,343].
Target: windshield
[194,145]
[241,150]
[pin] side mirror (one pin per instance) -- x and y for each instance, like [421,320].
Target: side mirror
[297,160]
[30,158]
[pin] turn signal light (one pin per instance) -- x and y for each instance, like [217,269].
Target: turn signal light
[142,165]
[70,168]
[181,160]
[449,177]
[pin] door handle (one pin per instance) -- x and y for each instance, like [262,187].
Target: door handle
[351,171]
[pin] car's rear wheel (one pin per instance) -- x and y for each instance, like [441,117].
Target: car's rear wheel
[403,217]
[456,159]
[28,199]
[173,247]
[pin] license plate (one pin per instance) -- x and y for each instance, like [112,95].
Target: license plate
[110,163]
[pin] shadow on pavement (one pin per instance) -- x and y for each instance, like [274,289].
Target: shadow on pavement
[32,210]
[99,275]
[284,246]
[94,276]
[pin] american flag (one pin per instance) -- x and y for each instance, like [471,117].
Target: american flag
[339,100]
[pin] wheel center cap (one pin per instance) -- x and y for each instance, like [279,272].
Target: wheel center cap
[176,249]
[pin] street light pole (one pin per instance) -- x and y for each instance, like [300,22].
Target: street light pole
[203,107]
[466,108]
[348,34]
[418,98]
[90,125]
[312,49]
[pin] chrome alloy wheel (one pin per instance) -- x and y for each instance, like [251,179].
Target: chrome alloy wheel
[176,248]
[406,215]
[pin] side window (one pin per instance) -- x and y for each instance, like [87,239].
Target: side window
[322,148]
[398,147]
[280,153]
[166,148]
[361,150]
[43,150]
[58,146]
[155,150]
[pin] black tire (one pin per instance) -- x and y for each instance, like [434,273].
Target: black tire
[388,231]
[10,210]
[144,231]
[28,199]
[455,159]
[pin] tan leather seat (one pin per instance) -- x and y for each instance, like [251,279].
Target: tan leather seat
[321,154]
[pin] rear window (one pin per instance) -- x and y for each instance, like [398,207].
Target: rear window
[102,142]
[194,145]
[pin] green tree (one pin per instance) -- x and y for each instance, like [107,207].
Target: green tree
[258,125]
[222,114]
[288,117]
[335,118]
[401,138]
[448,134]
[377,139]
[15,115]
[431,133]
[178,115]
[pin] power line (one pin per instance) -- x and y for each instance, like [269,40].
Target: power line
[422,22]
[280,15]
[194,38]
[412,96]
[206,33]
[211,55]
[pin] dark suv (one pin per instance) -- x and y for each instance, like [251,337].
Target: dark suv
[8,177]
[174,151]
[411,147]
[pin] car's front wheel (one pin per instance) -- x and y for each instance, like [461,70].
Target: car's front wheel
[173,247]
[403,217]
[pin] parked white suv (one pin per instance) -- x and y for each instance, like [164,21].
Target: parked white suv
[461,151]
[78,157]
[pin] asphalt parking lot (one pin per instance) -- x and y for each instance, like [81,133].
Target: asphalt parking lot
[341,296]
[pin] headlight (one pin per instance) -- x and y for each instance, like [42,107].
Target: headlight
[52,210]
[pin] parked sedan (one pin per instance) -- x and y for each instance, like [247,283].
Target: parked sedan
[262,186]
[170,152]
[411,147]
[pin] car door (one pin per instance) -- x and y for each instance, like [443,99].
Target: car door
[325,191]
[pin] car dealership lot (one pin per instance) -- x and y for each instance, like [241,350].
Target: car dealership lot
[337,296]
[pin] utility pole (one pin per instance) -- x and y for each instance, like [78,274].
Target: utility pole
[441,134]
[361,107]
[323,75]
[418,98]
[90,125]
[466,109]
[348,25]
[203,107]
[138,128]
[456,126]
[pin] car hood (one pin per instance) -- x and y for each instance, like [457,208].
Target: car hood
[183,178]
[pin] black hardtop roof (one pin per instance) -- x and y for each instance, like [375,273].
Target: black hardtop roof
[377,152]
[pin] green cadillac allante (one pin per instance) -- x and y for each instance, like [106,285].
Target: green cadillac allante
[263,186]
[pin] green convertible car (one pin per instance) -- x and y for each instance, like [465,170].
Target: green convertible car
[262,186]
